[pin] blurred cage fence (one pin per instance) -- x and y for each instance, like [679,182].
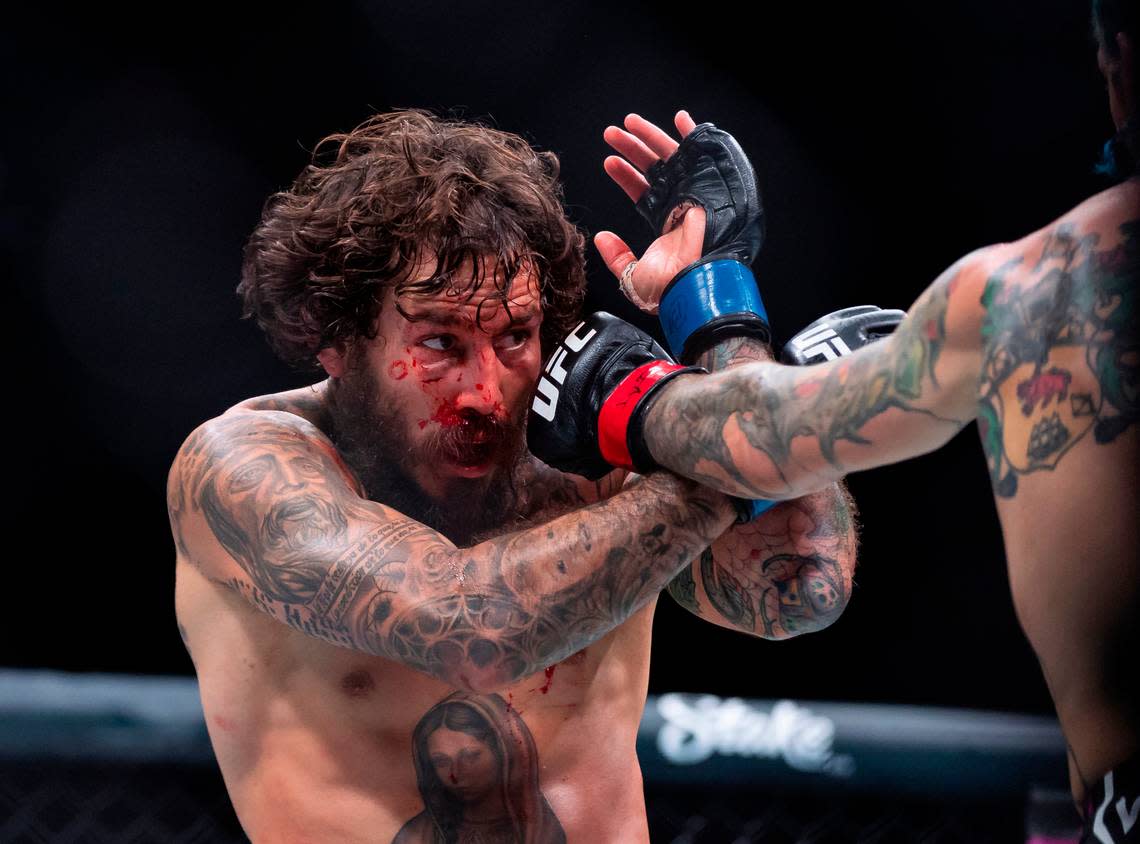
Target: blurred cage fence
[100,758]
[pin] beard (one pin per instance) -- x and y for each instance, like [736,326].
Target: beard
[371,435]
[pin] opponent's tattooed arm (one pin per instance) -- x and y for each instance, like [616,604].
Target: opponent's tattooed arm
[1037,339]
[787,572]
[261,502]
[766,430]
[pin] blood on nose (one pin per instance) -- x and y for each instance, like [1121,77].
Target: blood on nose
[481,389]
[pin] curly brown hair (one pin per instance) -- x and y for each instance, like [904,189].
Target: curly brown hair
[398,190]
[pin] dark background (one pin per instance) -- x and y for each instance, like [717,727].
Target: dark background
[138,149]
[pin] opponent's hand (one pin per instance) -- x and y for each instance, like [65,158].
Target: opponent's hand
[642,146]
[840,333]
[588,412]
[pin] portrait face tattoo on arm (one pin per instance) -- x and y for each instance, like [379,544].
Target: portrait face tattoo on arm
[1060,353]
[277,503]
[477,770]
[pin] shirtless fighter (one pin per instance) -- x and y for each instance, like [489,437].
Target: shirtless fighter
[372,666]
[1038,341]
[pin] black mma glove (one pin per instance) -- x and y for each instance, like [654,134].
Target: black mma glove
[588,414]
[840,333]
[716,297]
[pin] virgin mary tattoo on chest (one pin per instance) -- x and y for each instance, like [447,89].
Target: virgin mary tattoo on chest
[477,772]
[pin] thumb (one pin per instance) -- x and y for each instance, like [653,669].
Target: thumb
[693,235]
[614,251]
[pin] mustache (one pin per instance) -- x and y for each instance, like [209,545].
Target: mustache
[470,436]
[302,519]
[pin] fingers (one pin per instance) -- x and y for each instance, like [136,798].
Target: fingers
[614,252]
[684,123]
[627,178]
[641,156]
[639,146]
[649,134]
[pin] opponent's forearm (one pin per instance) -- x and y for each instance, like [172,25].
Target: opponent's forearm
[685,429]
[785,573]
[771,431]
[514,605]
[728,430]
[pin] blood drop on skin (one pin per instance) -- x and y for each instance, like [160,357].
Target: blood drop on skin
[398,370]
[549,679]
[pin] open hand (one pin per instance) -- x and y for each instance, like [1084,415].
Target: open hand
[641,145]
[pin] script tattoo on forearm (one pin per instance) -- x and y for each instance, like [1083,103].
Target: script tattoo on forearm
[318,557]
[1061,348]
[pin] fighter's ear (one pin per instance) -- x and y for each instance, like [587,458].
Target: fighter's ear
[333,360]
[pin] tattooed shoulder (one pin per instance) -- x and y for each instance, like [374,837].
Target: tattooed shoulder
[305,402]
[274,459]
[1059,344]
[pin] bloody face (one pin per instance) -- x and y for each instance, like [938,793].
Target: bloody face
[439,398]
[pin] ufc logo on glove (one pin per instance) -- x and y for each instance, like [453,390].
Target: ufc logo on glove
[546,399]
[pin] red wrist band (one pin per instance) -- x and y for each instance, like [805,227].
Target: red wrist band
[613,420]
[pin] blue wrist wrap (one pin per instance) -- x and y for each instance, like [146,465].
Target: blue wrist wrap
[749,509]
[710,299]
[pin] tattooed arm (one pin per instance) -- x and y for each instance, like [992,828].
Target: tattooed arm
[771,431]
[787,572]
[261,502]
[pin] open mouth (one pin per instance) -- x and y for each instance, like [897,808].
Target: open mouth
[475,458]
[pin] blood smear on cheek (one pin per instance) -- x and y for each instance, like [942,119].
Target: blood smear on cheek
[399,370]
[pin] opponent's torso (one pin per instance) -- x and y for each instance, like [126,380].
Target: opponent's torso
[321,743]
[1059,405]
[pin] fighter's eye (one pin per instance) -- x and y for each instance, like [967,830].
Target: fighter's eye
[514,340]
[439,343]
